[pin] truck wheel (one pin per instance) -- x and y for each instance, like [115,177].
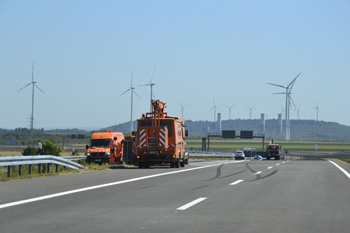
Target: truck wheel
[182,164]
[177,163]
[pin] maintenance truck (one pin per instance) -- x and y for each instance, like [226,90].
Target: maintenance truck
[99,151]
[273,150]
[160,139]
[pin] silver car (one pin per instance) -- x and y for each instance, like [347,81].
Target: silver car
[239,155]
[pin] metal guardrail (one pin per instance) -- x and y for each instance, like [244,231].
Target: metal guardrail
[41,159]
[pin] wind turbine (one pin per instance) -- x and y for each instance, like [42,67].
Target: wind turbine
[317,111]
[214,107]
[33,83]
[229,111]
[298,109]
[151,84]
[289,100]
[250,111]
[131,89]
[182,109]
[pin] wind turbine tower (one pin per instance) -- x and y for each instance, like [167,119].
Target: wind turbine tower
[214,107]
[182,109]
[317,111]
[250,111]
[33,83]
[151,84]
[229,110]
[132,91]
[289,100]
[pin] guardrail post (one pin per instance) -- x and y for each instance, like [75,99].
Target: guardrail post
[39,168]
[30,169]
[20,170]
[48,168]
[8,171]
[56,167]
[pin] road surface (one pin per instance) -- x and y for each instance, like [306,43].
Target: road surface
[217,196]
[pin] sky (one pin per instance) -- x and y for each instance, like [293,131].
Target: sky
[199,53]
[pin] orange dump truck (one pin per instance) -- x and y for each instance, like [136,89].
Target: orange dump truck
[160,138]
[98,151]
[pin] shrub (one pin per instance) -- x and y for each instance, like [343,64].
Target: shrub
[30,150]
[51,149]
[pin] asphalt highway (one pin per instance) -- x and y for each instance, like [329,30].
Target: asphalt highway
[217,196]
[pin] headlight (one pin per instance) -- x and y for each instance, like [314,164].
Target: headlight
[108,153]
[87,154]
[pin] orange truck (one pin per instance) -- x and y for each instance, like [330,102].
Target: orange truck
[98,151]
[273,150]
[160,139]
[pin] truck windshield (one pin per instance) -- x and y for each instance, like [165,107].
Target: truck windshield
[100,142]
[274,147]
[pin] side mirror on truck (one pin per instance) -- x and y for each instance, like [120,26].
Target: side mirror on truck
[87,147]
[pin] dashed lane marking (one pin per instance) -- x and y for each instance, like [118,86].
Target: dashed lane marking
[237,182]
[192,203]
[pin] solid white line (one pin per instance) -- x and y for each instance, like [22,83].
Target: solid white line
[341,169]
[269,167]
[277,164]
[237,182]
[257,173]
[21,202]
[192,203]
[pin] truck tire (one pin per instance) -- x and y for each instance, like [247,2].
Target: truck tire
[177,163]
[182,163]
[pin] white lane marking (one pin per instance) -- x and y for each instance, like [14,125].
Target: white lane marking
[237,182]
[283,162]
[277,164]
[21,202]
[341,169]
[269,167]
[257,173]
[192,203]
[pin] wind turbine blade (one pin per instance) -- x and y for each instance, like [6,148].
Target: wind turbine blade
[292,83]
[124,92]
[279,93]
[154,70]
[211,109]
[291,100]
[276,85]
[136,94]
[24,87]
[143,85]
[39,88]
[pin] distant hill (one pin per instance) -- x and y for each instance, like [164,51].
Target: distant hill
[301,130]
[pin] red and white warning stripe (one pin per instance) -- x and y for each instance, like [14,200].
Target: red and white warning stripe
[143,138]
[162,133]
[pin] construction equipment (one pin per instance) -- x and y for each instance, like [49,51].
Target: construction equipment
[273,150]
[161,138]
[99,151]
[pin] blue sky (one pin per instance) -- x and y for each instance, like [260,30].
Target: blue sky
[84,53]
